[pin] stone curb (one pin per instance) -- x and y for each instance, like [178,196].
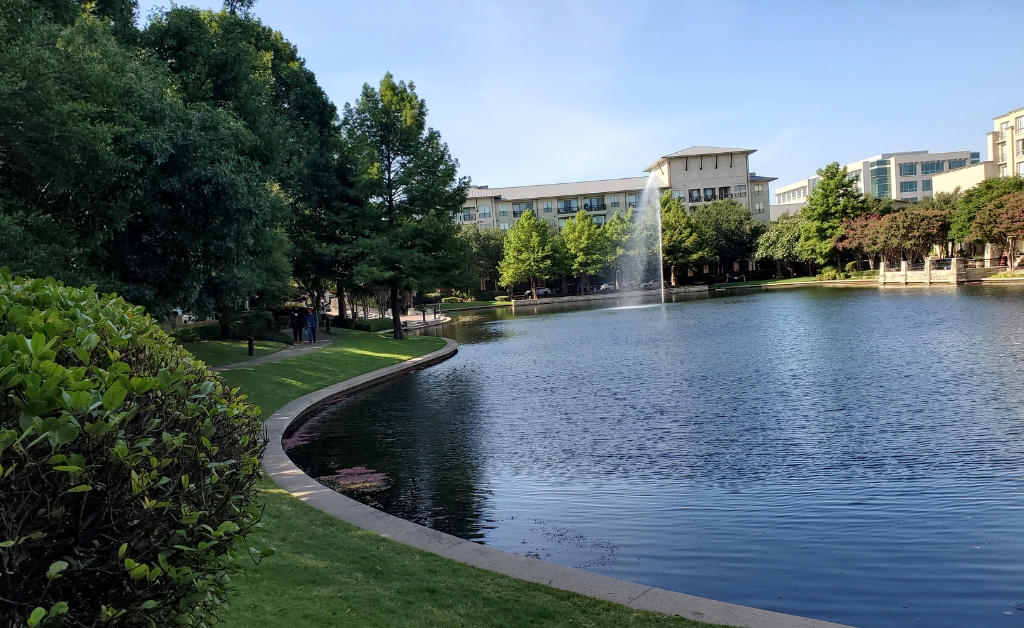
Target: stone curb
[637,596]
[605,296]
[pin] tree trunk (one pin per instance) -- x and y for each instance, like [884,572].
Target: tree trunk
[533,288]
[673,276]
[396,313]
[341,306]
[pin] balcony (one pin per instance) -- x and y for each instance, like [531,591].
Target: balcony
[725,196]
[708,199]
[468,217]
[568,210]
[518,213]
[594,207]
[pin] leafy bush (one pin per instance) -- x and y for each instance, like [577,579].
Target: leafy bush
[851,267]
[127,469]
[864,274]
[451,300]
[372,324]
[827,273]
[199,332]
[255,324]
[501,298]
[486,295]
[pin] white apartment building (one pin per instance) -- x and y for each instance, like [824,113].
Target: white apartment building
[905,176]
[699,174]
[1005,156]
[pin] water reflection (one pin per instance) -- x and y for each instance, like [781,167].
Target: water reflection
[848,454]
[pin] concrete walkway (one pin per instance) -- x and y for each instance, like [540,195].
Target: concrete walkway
[322,340]
[289,477]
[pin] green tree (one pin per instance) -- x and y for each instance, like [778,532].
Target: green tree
[833,200]
[482,250]
[727,230]
[618,230]
[781,242]
[410,180]
[530,253]
[681,242]
[971,201]
[586,244]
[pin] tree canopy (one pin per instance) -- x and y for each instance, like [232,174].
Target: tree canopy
[834,199]
[530,253]
[781,241]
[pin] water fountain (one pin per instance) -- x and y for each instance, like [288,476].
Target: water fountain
[644,262]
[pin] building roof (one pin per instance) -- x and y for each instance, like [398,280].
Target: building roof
[695,151]
[755,177]
[552,190]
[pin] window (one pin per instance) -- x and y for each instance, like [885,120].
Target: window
[723,192]
[975,158]
[599,219]
[1020,169]
[1020,148]
[694,196]
[519,208]
[503,226]
[909,198]
[1020,123]
[467,214]
[932,167]
[709,194]
[1002,153]
[758,189]
[546,206]
[561,222]
[679,194]
[1002,170]
[615,201]
[568,206]
[908,170]
[503,210]
[759,207]
[593,204]
[926,185]
[740,191]
[881,178]
[485,211]
[908,186]
[957,163]
[632,200]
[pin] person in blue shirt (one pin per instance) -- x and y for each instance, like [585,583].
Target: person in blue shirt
[311,325]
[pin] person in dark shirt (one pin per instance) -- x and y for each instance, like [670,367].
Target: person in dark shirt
[298,323]
[311,325]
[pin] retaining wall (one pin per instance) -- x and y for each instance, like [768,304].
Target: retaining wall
[601,296]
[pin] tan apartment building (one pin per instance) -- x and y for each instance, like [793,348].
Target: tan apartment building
[700,174]
[1005,156]
[906,176]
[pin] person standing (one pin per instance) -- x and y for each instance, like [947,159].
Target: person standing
[298,323]
[311,324]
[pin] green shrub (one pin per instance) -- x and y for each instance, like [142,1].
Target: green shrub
[451,300]
[827,273]
[127,469]
[255,324]
[851,267]
[372,324]
[199,332]
[501,298]
[486,295]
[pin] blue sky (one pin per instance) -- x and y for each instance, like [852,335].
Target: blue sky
[541,92]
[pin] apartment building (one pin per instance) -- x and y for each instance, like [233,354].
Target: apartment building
[699,174]
[1005,156]
[906,176]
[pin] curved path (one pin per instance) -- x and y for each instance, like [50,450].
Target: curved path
[290,351]
[638,596]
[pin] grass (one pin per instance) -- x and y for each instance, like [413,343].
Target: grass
[762,282]
[350,353]
[459,306]
[1008,274]
[329,573]
[219,352]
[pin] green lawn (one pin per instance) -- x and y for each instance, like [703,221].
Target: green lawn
[218,352]
[350,353]
[327,573]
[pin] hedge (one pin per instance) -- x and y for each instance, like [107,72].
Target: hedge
[127,468]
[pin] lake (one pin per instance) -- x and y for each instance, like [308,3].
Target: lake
[849,454]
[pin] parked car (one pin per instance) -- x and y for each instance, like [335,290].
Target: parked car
[607,286]
[541,292]
[654,284]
